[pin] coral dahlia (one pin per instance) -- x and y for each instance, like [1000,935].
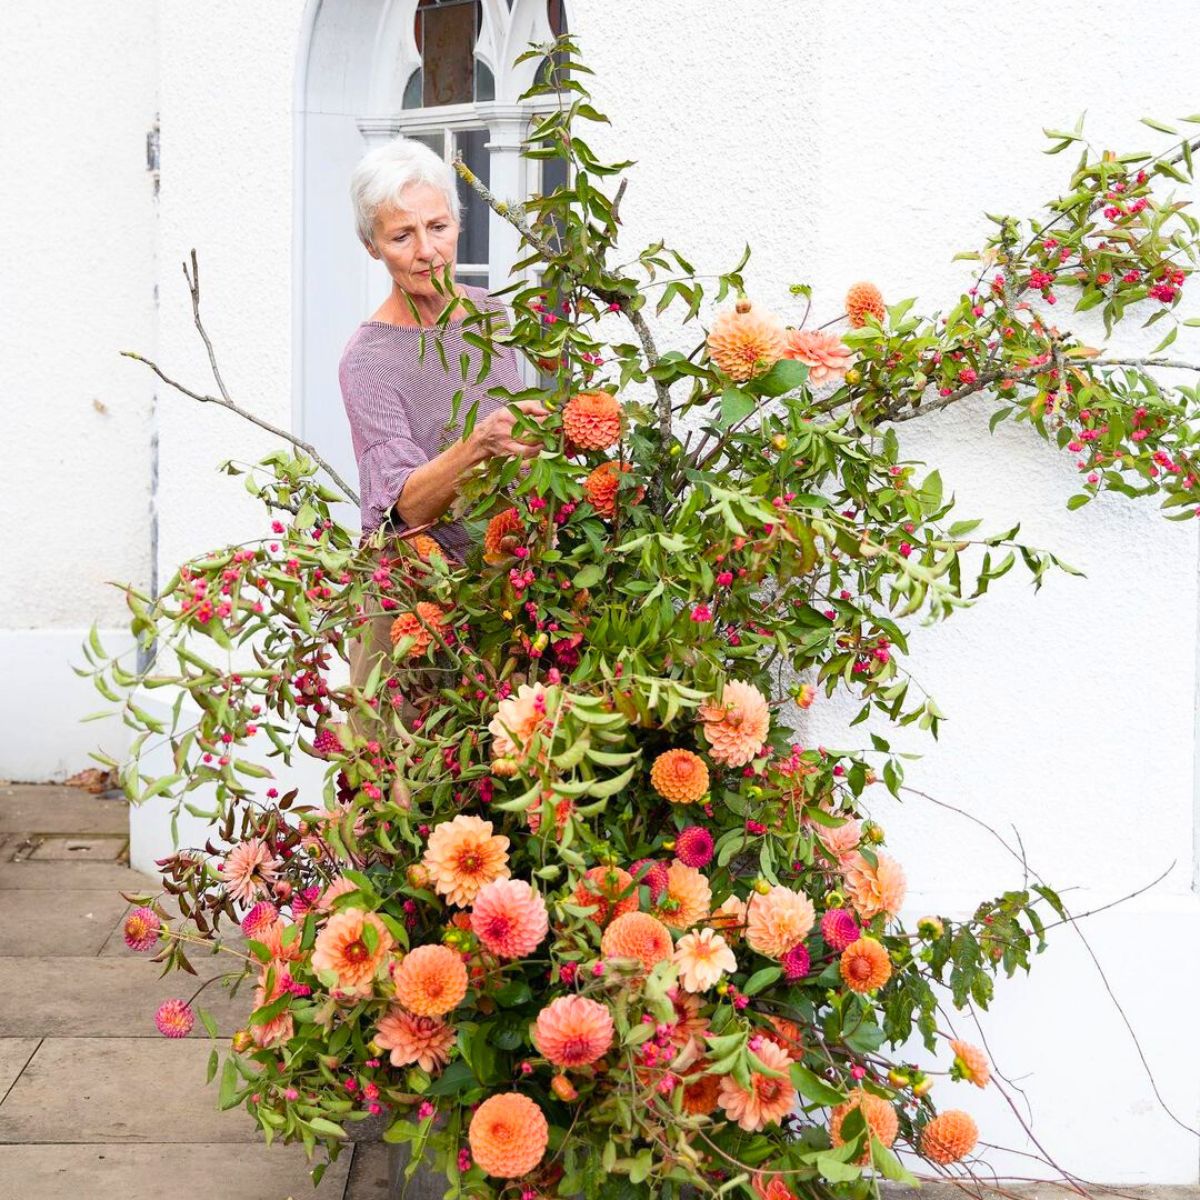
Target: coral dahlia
[688,899]
[462,855]
[249,867]
[508,1135]
[875,889]
[637,935]
[573,1031]
[509,918]
[949,1137]
[826,356]
[703,957]
[701,1092]
[174,1018]
[592,420]
[600,488]
[679,776]
[778,921]
[608,890]
[771,1187]
[864,300]
[424,1041]
[971,1063]
[745,342]
[421,625]
[346,948]
[879,1115]
[770,1097]
[737,727]
[141,929]
[865,965]
[425,546]
[430,980]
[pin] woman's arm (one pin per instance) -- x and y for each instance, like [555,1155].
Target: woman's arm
[432,487]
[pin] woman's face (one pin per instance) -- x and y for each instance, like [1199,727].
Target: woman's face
[416,238]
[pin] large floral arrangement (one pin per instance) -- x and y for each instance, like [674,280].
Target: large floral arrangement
[580,911]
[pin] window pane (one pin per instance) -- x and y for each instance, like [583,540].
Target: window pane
[485,82]
[473,238]
[446,34]
[413,90]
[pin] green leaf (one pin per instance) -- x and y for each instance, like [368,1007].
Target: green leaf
[835,1171]
[227,1096]
[588,577]
[761,979]
[736,406]
[813,1088]
[329,1128]
[1078,501]
[785,376]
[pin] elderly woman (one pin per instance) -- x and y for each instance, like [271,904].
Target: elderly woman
[411,456]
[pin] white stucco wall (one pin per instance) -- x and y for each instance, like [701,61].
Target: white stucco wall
[77,267]
[842,147]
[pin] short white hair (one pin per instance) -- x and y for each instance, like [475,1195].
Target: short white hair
[383,173]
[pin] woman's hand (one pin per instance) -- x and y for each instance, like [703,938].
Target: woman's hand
[493,436]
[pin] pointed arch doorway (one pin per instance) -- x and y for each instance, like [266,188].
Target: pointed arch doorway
[440,71]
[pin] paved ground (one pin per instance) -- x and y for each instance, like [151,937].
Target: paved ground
[85,1113]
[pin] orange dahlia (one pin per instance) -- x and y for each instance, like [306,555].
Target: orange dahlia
[508,1135]
[509,918]
[874,889]
[771,1187]
[424,546]
[592,420]
[949,1137]
[420,625]
[770,1097]
[865,965]
[701,1093]
[864,300]
[600,488]
[607,890]
[573,1031]
[778,921]
[787,1036]
[827,357]
[345,947]
[688,899]
[879,1115]
[971,1063]
[637,935]
[430,980]
[462,855]
[744,342]
[679,776]
[425,1041]
[736,728]
[504,533]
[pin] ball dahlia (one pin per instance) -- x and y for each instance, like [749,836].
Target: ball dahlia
[679,776]
[573,1031]
[592,420]
[462,855]
[971,1063]
[430,980]
[424,546]
[509,918]
[949,1137]
[607,890]
[839,929]
[688,899]
[778,921]
[879,1115]
[694,846]
[421,624]
[826,356]
[600,488]
[508,1135]
[423,1041]
[769,1098]
[745,342]
[653,874]
[875,888]
[174,1018]
[504,533]
[637,935]
[864,300]
[737,727]
[865,965]
[261,917]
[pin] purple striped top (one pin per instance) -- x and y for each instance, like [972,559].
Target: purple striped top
[399,403]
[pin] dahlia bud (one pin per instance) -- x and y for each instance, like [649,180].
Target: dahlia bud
[873,833]
[834,899]
[923,1086]
[931,928]
[898,1078]
[853,376]
[505,768]
[417,875]
[761,886]
[743,305]
[241,1041]
[563,1088]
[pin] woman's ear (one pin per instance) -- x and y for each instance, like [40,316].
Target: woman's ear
[371,249]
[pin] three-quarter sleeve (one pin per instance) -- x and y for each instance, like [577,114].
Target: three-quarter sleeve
[384,445]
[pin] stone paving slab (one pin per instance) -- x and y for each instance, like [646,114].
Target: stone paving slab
[41,808]
[81,848]
[15,1052]
[40,923]
[120,1090]
[109,997]
[166,1172]
[33,875]
[1043,1191]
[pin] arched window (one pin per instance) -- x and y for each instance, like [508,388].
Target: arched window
[440,71]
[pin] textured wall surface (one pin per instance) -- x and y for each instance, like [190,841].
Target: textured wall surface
[842,145]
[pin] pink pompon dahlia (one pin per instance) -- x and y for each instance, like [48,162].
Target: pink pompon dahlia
[174,1018]
[839,929]
[653,874]
[778,921]
[509,918]
[694,846]
[770,1097]
[745,341]
[141,929]
[703,956]
[825,354]
[423,1041]
[249,867]
[796,963]
[877,888]
[737,726]
[574,1031]
[261,917]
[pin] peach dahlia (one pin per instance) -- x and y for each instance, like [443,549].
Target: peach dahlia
[745,341]
[430,980]
[508,1135]
[462,855]
[736,728]
[769,1098]
[573,1031]
[879,1115]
